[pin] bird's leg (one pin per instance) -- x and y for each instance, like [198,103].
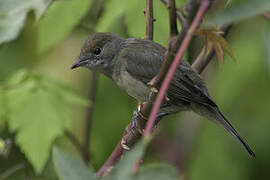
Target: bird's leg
[159,117]
[139,126]
[134,129]
[136,116]
[153,89]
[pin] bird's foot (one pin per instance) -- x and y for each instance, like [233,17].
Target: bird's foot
[137,116]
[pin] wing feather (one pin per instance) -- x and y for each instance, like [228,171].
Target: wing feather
[186,85]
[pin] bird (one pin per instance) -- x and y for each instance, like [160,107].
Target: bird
[132,63]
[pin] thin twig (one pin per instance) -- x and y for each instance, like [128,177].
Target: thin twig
[12,170]
[203,7]
[172,14]
[149,20]
[74,140]
[170,73]
[131,135]
[178,15]
[88,120]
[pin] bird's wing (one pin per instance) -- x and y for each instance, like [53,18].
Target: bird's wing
[186,85]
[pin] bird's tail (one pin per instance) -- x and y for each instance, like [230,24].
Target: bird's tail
[227,125]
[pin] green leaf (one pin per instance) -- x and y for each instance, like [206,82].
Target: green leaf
[66,92]
[69,167]
[38,113]
[157,172]
[13,14]
[242,11]
[59,21]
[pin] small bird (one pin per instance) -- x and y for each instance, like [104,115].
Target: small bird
[132,63]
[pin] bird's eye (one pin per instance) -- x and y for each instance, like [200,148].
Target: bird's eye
[97,51]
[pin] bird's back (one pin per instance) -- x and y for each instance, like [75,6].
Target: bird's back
[141,61]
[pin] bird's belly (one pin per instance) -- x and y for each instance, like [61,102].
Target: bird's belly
[133,87]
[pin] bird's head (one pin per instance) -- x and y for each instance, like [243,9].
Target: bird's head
[99,52]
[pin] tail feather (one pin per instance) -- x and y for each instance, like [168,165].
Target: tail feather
[227,125]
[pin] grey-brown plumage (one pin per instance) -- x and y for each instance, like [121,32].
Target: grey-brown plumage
[131,63]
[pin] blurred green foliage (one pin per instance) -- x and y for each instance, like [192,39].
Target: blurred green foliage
[35,110]
[69,167]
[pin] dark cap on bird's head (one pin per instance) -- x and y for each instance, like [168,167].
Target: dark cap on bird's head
[98,52]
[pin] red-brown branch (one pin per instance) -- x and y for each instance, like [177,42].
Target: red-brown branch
[162,92]
[114,157]
[131,136]
[165,84]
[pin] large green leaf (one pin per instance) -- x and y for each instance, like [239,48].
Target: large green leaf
[69,167]
[245,9]
[13,14]
[59,21]
[38,113]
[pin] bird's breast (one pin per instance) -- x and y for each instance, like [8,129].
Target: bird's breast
[132,86]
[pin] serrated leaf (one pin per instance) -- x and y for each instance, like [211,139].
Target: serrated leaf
[59,21]
[68,94]
[13,15]
[69,167]
[157,172]
[239,12]
[38,122]
[38,113]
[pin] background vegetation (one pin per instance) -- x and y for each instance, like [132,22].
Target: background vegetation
[42,101]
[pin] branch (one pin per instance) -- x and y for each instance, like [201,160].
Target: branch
[179,17]
[12,170]
[149,20]
[133,134]
[129,138]
[161,95]
[88,120]
[172,14]
[171,70]
[108,165]
[73,140]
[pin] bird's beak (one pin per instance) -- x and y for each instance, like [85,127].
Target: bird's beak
[79,63]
